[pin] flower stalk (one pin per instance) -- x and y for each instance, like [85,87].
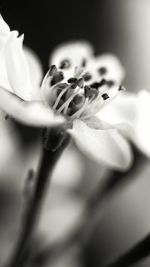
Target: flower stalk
[55,141]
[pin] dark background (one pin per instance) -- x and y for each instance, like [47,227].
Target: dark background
[121,27]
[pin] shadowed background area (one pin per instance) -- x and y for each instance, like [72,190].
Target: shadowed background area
[120,27]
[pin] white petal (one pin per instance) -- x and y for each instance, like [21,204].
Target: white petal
[106,146]
[76,52]
[35,67]
[32,113]
[142,126]
[114,68]
[4,28]
[121,111]
[17,68]
[69,170]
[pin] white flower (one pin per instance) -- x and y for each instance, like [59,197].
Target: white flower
[76,87]
[130,113]
[20,78]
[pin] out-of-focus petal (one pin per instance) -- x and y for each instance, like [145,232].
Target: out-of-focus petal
[69,170]
[142,125]
[106,146]
[4,28]
[32,113]
[108,67]
[121,112]
[35,67]
[17,69]
[76,53]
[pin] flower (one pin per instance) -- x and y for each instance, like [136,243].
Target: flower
[19,82]
[81,93]
[76,87]
[130,113]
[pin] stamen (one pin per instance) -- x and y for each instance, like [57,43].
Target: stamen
[66,104]
[95,85]
[72,80]
[91,93]
[87,77]
[83,64]
[52,70]
[78,71]
[102,82]
[79,112]
[121,88]
[57,77]
[105,96]
[65,64]
[102,70]
[80,82]
[75,104]
[59,97]
[60,87]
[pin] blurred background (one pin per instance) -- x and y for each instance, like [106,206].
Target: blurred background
[120,27]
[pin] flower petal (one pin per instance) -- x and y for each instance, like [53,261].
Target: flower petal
[4,28]
[32,113]
[142,124]
[35,67]
[108,67]
[106,146]
[76,53]
[17,68]
[121,112]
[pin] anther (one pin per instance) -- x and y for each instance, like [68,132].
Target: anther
[65,64]
[78,99]
[72,80]
[52,70]
[90,92]
[80,82]
[102,70]
[105,96]
[102,82]
[121,88]
[57,77]
[95,85]
[83,63]
[87,77]
[110,83]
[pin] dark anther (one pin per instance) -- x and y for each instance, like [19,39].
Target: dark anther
[105,96]
[73,85]
[110,83]
[72,80]
[65,64]
[102,82]
[52,70]
[57,77]
[62,85]
[78,99]
[87,77]
[95,85]
[90,92]
[80,82]
[102,70]
[83,63]
[121,88]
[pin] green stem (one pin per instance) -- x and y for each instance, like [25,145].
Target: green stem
[55,142]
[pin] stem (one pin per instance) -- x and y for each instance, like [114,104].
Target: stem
[55,142]
[136,254]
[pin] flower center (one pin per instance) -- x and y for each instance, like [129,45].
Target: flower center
[77,96]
